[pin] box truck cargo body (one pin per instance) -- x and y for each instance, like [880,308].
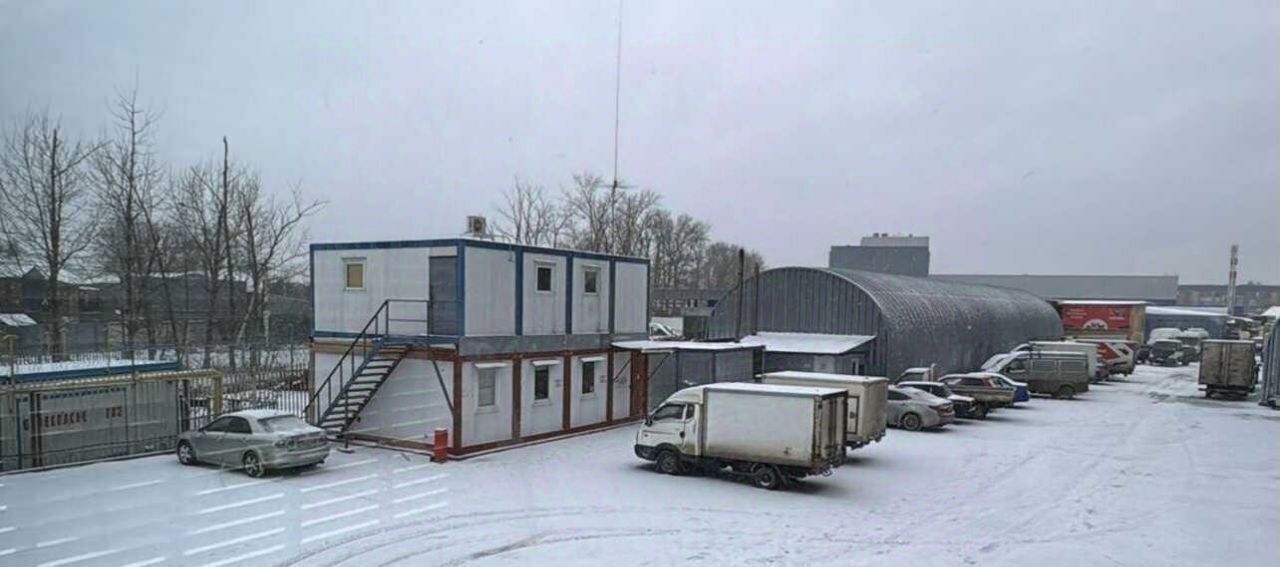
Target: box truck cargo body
[1228,368]
[774,434]
[868,396]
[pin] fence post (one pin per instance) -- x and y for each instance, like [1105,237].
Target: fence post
[217,395]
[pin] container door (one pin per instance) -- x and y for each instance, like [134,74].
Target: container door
[1213,367]
[853,425]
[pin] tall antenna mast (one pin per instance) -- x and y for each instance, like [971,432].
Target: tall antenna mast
[617,97]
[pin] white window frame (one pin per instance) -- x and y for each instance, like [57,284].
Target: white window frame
[588,379]
[346,273]
[491,373]
[592,270]
[541,368]
[538,267]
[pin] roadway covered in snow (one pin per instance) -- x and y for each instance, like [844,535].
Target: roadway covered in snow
[1139,472]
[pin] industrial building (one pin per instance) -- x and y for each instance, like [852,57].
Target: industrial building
[903,255]
[496,343]
[1154,290]
[910,321]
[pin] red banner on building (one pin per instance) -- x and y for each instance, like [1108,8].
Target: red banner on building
[1096,317]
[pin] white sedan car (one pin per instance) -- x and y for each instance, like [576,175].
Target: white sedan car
[255,441]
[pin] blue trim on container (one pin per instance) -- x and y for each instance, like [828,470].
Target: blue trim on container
[351,335]
[519,292]
[312,261]
[568,295]
[462,287]
[124,368]
[477,243]
[613,295]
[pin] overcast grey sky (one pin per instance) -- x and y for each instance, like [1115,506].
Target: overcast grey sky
[1108,137]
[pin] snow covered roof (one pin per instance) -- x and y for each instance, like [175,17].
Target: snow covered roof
[1184,311]
[826,377]
[16,320]
[1100,302]
[1272,312]
[650,346]
[807,343]
[1164,288]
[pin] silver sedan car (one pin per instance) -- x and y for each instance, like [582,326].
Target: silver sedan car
[255,441]
[913,409]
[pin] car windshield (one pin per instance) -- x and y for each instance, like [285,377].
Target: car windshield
[283,424]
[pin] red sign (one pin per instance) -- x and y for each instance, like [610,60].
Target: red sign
[1095,318]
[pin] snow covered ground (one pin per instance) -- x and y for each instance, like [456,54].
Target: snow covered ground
[1141,472]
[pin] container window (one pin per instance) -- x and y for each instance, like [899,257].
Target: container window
[544,278]
[355,274]
[488,379]
[541,383]
[588,377]
[591,280]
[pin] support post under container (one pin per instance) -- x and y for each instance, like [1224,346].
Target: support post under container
[440,445]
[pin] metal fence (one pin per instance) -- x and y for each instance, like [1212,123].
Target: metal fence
[63,422]
[114,407]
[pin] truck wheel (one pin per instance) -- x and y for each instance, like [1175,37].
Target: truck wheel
[1066,392]
[668,462]
[979,411]
[910,422]
[766,477]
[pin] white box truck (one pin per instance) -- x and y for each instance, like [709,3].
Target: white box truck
[868,398]
[1227,368]
[772,434]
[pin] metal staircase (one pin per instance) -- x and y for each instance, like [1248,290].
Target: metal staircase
[370,358]
[356,392]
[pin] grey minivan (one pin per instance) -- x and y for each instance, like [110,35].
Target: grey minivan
[1059,374]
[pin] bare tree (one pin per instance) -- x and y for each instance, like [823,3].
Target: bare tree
[44,193]
[203,210]
[529,216]
[719,268]
[127,176]
[679,246]
[272,241]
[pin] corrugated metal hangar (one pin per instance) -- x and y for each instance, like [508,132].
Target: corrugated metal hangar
[915,321]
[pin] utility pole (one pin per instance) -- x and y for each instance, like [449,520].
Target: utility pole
[1231,281]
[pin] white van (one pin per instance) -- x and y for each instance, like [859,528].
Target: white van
[868,397]
[1096,371]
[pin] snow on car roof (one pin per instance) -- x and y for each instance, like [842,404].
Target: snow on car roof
[259,413]
[826,377]
[807,343]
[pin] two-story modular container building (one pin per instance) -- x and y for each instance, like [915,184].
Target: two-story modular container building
[498,343]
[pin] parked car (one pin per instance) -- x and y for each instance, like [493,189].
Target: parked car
[1119,355]
[1060,374]
[918,374]
[987,392]
[913,409]
[1166,352]
[1097,370]
[965,406]
[1020,391]
[255,441]
[719,426]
